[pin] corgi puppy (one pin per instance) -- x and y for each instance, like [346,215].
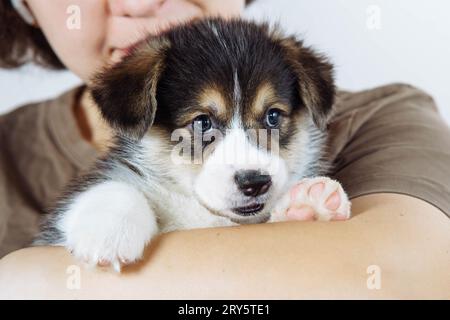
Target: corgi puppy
[218,123]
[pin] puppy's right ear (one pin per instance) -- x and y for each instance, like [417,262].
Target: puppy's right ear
[126,93]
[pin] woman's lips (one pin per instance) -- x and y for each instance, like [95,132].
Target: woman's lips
[119,53]
[128,50]
[169,14]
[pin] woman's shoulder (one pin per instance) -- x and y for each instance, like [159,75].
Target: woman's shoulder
[391,139]
[31,109]
[41,150]
[350,101]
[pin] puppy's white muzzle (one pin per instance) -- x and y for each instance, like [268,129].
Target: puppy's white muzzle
[240,179]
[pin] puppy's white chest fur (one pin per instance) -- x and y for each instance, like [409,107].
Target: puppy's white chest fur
[176,212]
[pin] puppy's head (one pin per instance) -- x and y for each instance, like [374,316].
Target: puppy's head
[242,106]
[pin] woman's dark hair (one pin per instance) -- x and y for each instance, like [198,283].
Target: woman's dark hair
[21,43]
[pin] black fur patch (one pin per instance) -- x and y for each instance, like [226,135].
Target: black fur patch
[165,75]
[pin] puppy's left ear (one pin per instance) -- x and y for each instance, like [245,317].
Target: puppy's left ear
[126,93]
[315,79]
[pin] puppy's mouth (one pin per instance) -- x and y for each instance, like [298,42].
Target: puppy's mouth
[249,210]
[250,213]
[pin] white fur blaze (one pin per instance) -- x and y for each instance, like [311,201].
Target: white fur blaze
[215,186]
[110,223]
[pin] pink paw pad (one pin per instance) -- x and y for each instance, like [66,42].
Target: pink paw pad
[304,213]
[318,199]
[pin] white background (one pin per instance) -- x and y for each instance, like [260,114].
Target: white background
[412,45]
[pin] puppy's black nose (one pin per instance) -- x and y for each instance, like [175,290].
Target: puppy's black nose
[252,183]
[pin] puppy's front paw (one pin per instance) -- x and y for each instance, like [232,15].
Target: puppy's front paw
[109,224]
[314,199]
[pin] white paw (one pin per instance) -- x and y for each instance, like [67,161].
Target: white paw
[314,199]
[109,224]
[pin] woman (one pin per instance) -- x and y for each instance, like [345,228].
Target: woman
[391,152]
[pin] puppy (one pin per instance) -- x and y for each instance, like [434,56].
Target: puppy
[217,123]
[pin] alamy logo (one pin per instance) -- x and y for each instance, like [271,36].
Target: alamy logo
[374,279]
[73,21]
[241,147]
[373,21]
[73,281]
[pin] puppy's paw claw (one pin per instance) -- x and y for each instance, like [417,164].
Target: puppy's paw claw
[91,260]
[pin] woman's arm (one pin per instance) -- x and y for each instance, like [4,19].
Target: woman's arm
[406,238]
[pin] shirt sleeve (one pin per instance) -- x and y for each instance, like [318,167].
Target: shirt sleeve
[391,140]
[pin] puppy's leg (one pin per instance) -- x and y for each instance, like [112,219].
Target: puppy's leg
[109,223]
[313,199]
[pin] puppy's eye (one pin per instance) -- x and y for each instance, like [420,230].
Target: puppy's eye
[202,122]
[273,118]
